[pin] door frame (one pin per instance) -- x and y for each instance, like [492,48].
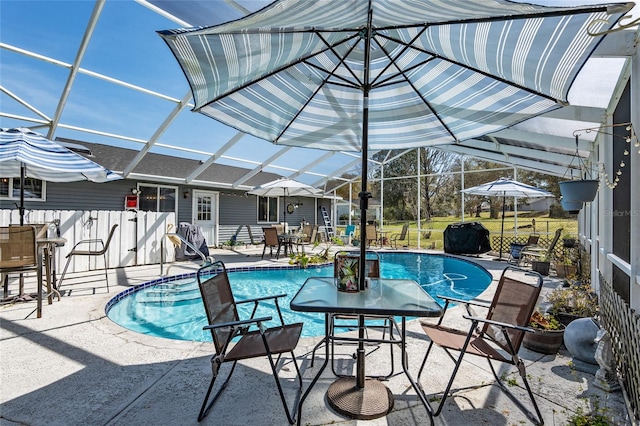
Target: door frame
[215,212]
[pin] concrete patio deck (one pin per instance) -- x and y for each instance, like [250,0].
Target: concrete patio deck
[74,366]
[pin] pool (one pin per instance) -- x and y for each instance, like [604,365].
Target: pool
[171,307]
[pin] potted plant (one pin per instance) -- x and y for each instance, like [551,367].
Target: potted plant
[582,189]
[565,268]
[579,191]
[565,265]
[572,207]
[547,334]
[541,265]
[577,300]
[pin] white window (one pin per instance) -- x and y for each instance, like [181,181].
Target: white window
[267,209]
[156,198]
[34,189]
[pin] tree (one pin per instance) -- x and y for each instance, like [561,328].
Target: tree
[400,170]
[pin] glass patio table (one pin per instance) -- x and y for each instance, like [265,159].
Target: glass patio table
[357,396]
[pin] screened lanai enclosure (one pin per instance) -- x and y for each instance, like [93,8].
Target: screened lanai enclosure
[145,103]
[98,72]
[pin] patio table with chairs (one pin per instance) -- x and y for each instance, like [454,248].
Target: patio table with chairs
[29,248]
[291,240]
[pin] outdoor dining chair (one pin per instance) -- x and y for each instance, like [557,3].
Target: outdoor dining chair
[372,234]
[271,240]
[497,336]
[311,235]
[402,236]
[18,254]
[535,252]
[84,248]
[235,339]
[515,249]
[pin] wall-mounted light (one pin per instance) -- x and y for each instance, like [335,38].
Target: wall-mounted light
[135,191]
[186,193]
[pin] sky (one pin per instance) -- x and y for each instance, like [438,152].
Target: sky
[125,46]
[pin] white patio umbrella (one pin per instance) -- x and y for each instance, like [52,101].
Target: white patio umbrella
[25,153]
[284,187]
[507,188]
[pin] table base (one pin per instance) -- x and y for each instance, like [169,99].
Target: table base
[372,401]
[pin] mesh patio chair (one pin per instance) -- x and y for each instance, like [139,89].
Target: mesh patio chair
[311,235]
[100,249]
[342,321]
[539,253]
[515,249]
[251,337]
[372,235]
[402,236]
[497,336]
[18,254]
[271,240]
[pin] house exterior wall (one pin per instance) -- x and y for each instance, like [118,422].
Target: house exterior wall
[235,207]
[79,196]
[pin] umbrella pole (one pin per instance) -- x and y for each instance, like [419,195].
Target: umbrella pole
[504,198]
[284,208]
[364,200]
[21,207]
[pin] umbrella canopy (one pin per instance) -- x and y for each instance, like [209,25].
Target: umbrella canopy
[507,188]
[28,154]
[284,187]
[357,75]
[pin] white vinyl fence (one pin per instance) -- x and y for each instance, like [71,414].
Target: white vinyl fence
[136,240]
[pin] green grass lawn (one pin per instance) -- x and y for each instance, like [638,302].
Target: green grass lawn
[431,232]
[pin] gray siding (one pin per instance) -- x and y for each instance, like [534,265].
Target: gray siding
[236,208]
[80,196]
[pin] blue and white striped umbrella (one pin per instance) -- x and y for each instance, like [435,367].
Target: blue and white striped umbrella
[25,154]
[298,71]
[355,75]
[45,159]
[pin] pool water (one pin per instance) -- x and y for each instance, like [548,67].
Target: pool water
[171,307]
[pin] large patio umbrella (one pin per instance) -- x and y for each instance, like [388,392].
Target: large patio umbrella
[284,187]
[507,188]
[381,74]
[378,74]
[26,154]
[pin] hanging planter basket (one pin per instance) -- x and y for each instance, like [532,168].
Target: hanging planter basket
[580,191]
[572,207]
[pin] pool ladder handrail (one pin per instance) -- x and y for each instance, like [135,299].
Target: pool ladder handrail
[206,260]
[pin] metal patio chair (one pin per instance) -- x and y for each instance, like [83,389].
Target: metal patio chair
[18,254]
[271,240]
[515,249]
[402,236]
[235,339]
[372,235]
[538,253]
[83,248]
[497,336]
